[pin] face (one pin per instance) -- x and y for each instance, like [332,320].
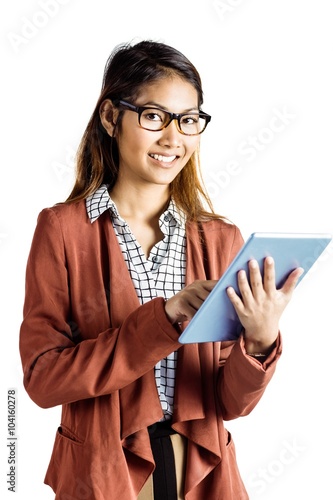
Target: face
[156,157]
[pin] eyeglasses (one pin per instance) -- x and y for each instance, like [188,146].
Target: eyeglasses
[156,119]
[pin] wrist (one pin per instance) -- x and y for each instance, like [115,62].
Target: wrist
[259,349]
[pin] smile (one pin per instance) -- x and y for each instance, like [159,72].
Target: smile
[165,159]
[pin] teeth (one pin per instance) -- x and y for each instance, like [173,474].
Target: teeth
[165,159]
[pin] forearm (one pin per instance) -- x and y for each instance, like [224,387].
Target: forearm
[64,372]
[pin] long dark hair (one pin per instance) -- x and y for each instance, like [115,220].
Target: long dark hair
[128,68]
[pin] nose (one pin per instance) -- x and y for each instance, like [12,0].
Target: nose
[170,136]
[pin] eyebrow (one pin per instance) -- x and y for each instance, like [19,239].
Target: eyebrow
[157,105]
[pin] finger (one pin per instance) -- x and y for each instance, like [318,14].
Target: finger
[195,299]
[235,299]
[209,284]
[269,275]
[182,306]
[255,278]
[185,303]
[292,280]
[244,288]
[201,289]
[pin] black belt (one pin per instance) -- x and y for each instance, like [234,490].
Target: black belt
[161,429]
[164,476]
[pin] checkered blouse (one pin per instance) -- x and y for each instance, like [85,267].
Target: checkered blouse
[162,274]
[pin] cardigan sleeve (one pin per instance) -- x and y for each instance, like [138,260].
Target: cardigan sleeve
[57,369]
[243,379]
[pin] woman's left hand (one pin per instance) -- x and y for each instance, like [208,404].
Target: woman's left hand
[260,305]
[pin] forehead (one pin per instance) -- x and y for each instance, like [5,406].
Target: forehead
[171,92]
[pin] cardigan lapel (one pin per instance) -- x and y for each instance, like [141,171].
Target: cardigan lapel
[194,411]
[136,414]
[121,285]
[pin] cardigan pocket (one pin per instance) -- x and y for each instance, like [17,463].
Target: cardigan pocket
[64,432]
[67,447]
[228,438]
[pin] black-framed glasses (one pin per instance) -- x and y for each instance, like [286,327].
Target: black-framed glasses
[155,119]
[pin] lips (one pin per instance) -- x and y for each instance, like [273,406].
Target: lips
[164,159]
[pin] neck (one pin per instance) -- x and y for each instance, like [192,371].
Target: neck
[146,203]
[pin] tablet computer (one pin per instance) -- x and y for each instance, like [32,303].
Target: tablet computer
[216,320]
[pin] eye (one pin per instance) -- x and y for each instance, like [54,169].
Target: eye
[190,119]
[153,115]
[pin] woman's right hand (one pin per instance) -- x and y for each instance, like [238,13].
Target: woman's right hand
[184,304]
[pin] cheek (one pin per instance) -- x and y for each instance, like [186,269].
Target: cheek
[128,143]
[192,146]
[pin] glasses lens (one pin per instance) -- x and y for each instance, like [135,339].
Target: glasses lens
[156,119]
[192,124]
[153,119]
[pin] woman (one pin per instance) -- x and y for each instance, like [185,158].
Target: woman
[112,276]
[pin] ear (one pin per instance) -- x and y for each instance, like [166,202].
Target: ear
[108,115]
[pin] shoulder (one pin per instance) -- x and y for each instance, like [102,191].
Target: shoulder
[66,227]
[65,216]
[64,222]
[65,211]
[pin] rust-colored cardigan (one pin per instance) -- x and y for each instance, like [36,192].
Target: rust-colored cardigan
[88,345]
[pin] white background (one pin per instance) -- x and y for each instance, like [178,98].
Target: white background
[257,58]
